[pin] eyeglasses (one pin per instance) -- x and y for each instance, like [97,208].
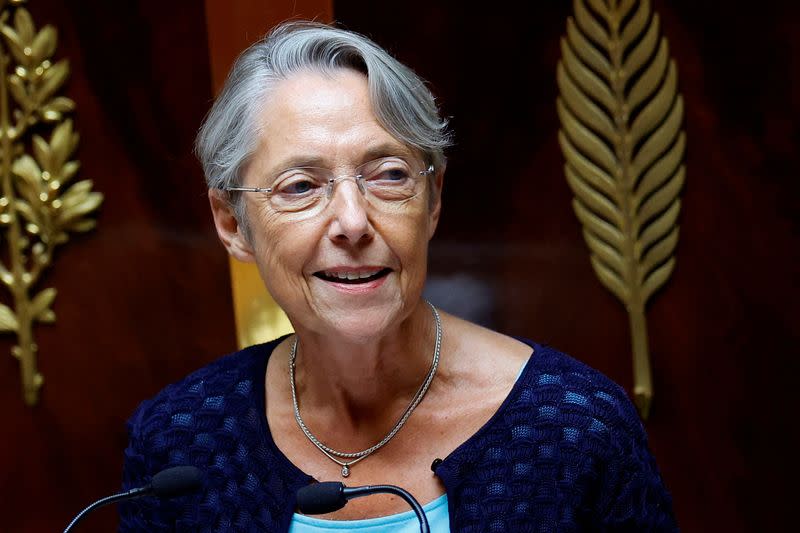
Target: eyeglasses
[386,182]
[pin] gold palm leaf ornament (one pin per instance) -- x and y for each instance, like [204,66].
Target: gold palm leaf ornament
[40,202]
[621,138]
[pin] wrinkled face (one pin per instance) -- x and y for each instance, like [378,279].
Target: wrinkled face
[352,269]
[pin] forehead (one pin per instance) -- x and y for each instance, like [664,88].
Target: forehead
[326,118]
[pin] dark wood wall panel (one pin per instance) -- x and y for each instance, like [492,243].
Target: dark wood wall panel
[143,299]
[723,333]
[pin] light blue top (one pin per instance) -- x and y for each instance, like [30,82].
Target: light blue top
[436,512]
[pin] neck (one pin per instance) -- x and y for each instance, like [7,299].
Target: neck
[361,382]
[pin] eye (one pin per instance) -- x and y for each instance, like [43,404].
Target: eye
[297,187]
[388,171]
[298,182]
[394,174]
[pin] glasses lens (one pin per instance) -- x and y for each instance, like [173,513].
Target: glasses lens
[391,179]
[299,189]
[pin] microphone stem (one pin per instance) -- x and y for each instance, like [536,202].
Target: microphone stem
[133,493]
[357,492]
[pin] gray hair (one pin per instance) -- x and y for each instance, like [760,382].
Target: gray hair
[402,103]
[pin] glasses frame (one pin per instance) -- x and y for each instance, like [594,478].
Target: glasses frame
[358,178]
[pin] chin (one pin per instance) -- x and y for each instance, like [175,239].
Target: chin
[364,325]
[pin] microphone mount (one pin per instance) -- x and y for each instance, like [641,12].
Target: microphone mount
[329,496]
[169,483]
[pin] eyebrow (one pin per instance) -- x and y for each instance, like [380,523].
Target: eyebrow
[375,152]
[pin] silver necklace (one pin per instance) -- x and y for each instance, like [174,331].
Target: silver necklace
[354,457]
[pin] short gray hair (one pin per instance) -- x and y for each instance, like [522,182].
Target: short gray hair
[402,103]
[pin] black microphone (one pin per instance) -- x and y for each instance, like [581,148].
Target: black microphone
[169,483]
[329,496]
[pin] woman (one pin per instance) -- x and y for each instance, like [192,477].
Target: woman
[324,160]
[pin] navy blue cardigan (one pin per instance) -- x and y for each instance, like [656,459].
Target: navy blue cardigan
[565,452]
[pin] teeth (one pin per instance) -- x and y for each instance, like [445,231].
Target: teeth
[350,275]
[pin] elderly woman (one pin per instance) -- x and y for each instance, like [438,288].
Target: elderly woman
[324,160]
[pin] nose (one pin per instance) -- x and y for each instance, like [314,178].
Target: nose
[349,218]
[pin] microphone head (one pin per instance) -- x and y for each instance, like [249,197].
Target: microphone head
[176,481]
[321,498]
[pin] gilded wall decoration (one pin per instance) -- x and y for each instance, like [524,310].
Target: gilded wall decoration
[41,203]
[258,317]
[621,137]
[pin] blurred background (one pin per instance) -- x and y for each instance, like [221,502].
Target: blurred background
[146,297]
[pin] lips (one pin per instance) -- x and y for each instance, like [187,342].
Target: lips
[352,277]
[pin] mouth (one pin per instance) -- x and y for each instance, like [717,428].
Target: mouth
[353,277]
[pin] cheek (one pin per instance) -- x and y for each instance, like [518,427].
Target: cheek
[281,247]
[408,238]
[263,230]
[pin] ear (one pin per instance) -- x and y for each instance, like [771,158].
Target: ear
[436,202]
[229,230]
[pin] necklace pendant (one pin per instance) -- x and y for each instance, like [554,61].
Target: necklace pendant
[345,471]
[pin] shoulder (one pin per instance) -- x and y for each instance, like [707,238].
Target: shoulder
[212,419]
[568,427]
[231,374]
[560,389]
[594,419]
[214,396]
[553,389]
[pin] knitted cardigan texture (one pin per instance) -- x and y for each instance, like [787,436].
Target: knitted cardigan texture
[564,452]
